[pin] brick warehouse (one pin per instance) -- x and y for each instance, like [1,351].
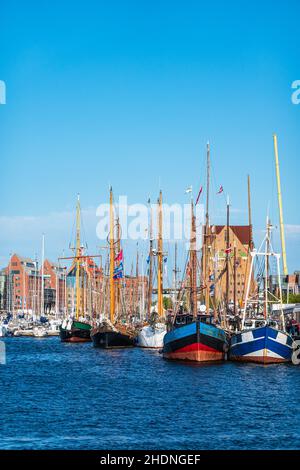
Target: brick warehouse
[240,237]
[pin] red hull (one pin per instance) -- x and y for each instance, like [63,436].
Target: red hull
[74,339]
[196,352]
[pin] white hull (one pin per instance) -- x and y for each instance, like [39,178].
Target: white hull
[39,332]
[152,337]
[3,331]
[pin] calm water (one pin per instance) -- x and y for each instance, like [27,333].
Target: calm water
[61,396]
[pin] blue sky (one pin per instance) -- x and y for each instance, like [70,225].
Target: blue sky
[128,93]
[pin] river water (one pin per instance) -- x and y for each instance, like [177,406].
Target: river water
[71,396]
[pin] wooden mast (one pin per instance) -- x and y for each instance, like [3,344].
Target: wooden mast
[267,268]
[160,260]
[78,253]
[111,258]
[136,289]
[234,278]
[118,251]
[150,279]
[175,271]
[227,255]
[283,249]
[193,263]
[207,232]
[251,244]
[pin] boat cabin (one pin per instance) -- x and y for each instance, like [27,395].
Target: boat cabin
[251,323]
[186,318]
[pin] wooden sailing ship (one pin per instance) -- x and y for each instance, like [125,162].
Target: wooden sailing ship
[151,334]
[77,330]
[111,332]
[195,336]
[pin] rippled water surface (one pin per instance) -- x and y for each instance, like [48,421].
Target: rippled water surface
[64,396]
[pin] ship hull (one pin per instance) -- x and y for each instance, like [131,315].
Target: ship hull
[263,345]
[195,342]
[152,337]
[112,340]
[78,333]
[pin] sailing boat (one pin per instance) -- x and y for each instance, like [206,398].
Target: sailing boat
[193,336]
[152,334]
[111,333]
[76,330]
[262,339]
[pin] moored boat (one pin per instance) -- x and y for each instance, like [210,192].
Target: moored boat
[108,336]
[262,338]
[39,332]
[114,332]
[75,331]
[264,344]
[152,336]
[195,340]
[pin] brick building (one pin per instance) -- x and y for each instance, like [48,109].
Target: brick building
[23,285]
[3,290]
[240,238]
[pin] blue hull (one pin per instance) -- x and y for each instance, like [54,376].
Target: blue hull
[264,345]
[196,341]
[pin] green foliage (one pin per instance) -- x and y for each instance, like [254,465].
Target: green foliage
[167,303]
[292,299]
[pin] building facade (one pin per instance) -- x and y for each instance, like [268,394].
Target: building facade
[239,243]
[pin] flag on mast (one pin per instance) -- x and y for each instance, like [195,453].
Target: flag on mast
[119,256]
[199,194]
[220,190]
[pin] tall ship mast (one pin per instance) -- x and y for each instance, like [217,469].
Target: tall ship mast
[160,309]
[194,336]
[283,249]
[151,335]
[114,331]
[262,337]
[77,330]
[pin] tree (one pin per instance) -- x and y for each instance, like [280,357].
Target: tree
[167,303]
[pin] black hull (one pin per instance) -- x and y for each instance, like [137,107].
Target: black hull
[112,340]
[74,335]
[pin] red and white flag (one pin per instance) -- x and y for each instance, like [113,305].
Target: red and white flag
[119,256]
[220,190]
[228,250]
[199,194]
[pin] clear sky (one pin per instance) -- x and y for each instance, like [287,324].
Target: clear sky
[128,93]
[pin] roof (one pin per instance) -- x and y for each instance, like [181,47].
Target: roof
[23,259]
[242,232]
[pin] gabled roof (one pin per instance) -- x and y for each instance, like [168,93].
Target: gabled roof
[242,232]
[23,259]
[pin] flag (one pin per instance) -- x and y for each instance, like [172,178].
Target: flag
[189,190]
[220,190]
[228,250]
[118,275]
[119,256]
[118,268]
[148,260]
[165,260]
[199,194]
